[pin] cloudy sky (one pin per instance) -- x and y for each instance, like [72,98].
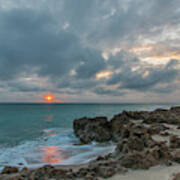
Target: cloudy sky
[90,50]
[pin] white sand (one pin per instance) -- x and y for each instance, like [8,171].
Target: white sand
[155,173]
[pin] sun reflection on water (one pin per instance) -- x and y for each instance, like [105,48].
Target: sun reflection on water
[51,154]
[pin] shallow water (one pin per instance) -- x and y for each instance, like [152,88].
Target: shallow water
[34,135]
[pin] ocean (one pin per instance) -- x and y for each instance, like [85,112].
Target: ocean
[32,135]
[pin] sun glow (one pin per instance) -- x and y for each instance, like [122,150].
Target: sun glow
[49,98]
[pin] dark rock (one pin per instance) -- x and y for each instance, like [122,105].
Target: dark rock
[160,153]
[136,115]
[174,141]
[95,129]
[175,109]
[157,128]
[136,161]
[9,170]
[105,171]
[171,116]
[164,134]
[176,156]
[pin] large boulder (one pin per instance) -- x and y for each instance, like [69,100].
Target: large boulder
[92,129]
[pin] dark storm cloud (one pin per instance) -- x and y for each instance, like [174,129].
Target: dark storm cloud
[32,39]
[138,17]
[64,40]
[146,77]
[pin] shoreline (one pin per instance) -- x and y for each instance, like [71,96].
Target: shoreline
[144,140]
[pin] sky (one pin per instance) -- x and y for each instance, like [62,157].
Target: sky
[90,50]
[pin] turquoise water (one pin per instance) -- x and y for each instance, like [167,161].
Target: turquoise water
[33,135]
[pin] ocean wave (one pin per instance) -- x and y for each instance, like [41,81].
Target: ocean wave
[56,146]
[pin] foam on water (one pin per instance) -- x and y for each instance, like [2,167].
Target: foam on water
[56,147]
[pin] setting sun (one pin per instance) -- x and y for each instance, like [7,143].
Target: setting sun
[49,98]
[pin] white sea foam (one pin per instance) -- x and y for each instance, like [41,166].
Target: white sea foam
[56,147]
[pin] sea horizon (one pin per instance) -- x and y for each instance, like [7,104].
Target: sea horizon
[91,103]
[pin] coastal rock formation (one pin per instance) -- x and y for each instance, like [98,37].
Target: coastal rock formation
[171,116]
[120,126]
[9,170]
[92,129]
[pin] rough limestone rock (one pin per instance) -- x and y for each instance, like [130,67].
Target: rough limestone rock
[171,116]
[138,140]
[136,115]
[157,128]
[136,161]
[9,170]
[92,129]
[175,156]
[174,141]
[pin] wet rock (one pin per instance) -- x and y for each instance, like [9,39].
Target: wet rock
[92,129]
[9,170]
[49,171]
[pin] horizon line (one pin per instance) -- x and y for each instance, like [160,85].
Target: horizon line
[62,103]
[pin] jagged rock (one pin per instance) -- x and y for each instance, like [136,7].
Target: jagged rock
[175,109]
[9,170]
[176,156]
[136,115]
[157,128]
[136,161]
[164,134]
[94,129]
[171,116]
[106,168]
[174,141]
[160,153]
[132,144]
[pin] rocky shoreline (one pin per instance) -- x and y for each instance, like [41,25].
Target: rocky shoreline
[143,140]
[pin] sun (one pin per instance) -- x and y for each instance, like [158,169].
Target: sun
[49,98]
